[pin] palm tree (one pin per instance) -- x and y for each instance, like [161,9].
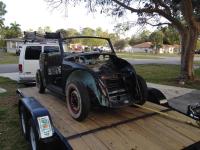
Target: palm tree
[15,26]
[2,13]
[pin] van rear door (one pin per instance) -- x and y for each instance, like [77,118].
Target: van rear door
[31,60]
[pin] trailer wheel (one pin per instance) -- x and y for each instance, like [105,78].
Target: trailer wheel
[78,101]
[33,136]
[39,82]
[23,122]
[143,90]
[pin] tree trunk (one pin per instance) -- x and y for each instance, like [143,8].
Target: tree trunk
[188,44]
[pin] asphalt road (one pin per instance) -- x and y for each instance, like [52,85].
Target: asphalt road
[163,60]
[9,68]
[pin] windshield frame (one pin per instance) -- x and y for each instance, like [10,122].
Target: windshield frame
[94,37]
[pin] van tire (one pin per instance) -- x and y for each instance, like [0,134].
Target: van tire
[39,82]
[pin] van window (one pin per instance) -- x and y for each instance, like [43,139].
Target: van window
[33,52]
[50,49]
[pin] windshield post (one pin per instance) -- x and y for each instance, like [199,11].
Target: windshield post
[60,42]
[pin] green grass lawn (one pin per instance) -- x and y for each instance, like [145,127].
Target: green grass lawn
[166,74]
[10,133]
[8,58]
[137,55]
[196,62]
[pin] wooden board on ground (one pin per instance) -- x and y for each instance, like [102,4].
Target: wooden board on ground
[126,128]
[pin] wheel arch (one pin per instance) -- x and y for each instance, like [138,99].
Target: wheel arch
[88,79]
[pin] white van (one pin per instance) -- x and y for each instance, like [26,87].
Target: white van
[29,59]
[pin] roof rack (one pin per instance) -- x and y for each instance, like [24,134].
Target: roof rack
[53,35]
[37,37]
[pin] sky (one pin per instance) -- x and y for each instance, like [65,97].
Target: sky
[31,14]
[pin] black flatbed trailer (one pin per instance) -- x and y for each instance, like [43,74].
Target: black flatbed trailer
[123,128]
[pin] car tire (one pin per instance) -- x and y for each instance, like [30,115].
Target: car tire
[143,90]
[24,122]
[39,82]
[78,100]
[33,136]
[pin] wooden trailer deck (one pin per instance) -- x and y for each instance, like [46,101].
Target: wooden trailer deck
[126,128]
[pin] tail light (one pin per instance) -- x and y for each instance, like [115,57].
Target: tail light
[20,67]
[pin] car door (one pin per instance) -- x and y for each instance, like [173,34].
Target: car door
[31,60]
[53,64]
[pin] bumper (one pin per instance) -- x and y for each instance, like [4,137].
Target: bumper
[25,80]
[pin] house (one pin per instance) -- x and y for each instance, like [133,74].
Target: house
[12,44]
[171,49]
[145,47]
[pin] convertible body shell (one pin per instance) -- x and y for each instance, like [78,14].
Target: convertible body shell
[111,82]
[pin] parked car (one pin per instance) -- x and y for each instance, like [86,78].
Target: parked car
[29,59]
[88,79]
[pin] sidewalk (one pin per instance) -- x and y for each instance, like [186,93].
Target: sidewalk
[12,76]
[171,91]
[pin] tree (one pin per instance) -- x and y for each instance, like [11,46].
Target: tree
[2,13]
[13,31]
[171,36]
[184,15]
[157,40]
[88,31]
[144,35]
[120,45]
[135,40]
[72,32]
[15,26]
[113,37]
[42,30]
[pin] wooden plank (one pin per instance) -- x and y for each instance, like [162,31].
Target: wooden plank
[153,133]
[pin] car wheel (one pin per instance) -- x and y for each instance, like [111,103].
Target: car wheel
[23,122]
[143,90]
[33,137]
[78,101]
[39,82]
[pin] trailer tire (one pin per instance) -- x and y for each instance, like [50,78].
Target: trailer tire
[78,100]
[143,90]
[33,136]
[24,122]
[39,82]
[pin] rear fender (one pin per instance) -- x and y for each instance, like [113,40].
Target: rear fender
[90,82]
[156,96]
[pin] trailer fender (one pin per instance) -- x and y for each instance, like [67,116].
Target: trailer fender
[39,115]
[35,111]
[156,96]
